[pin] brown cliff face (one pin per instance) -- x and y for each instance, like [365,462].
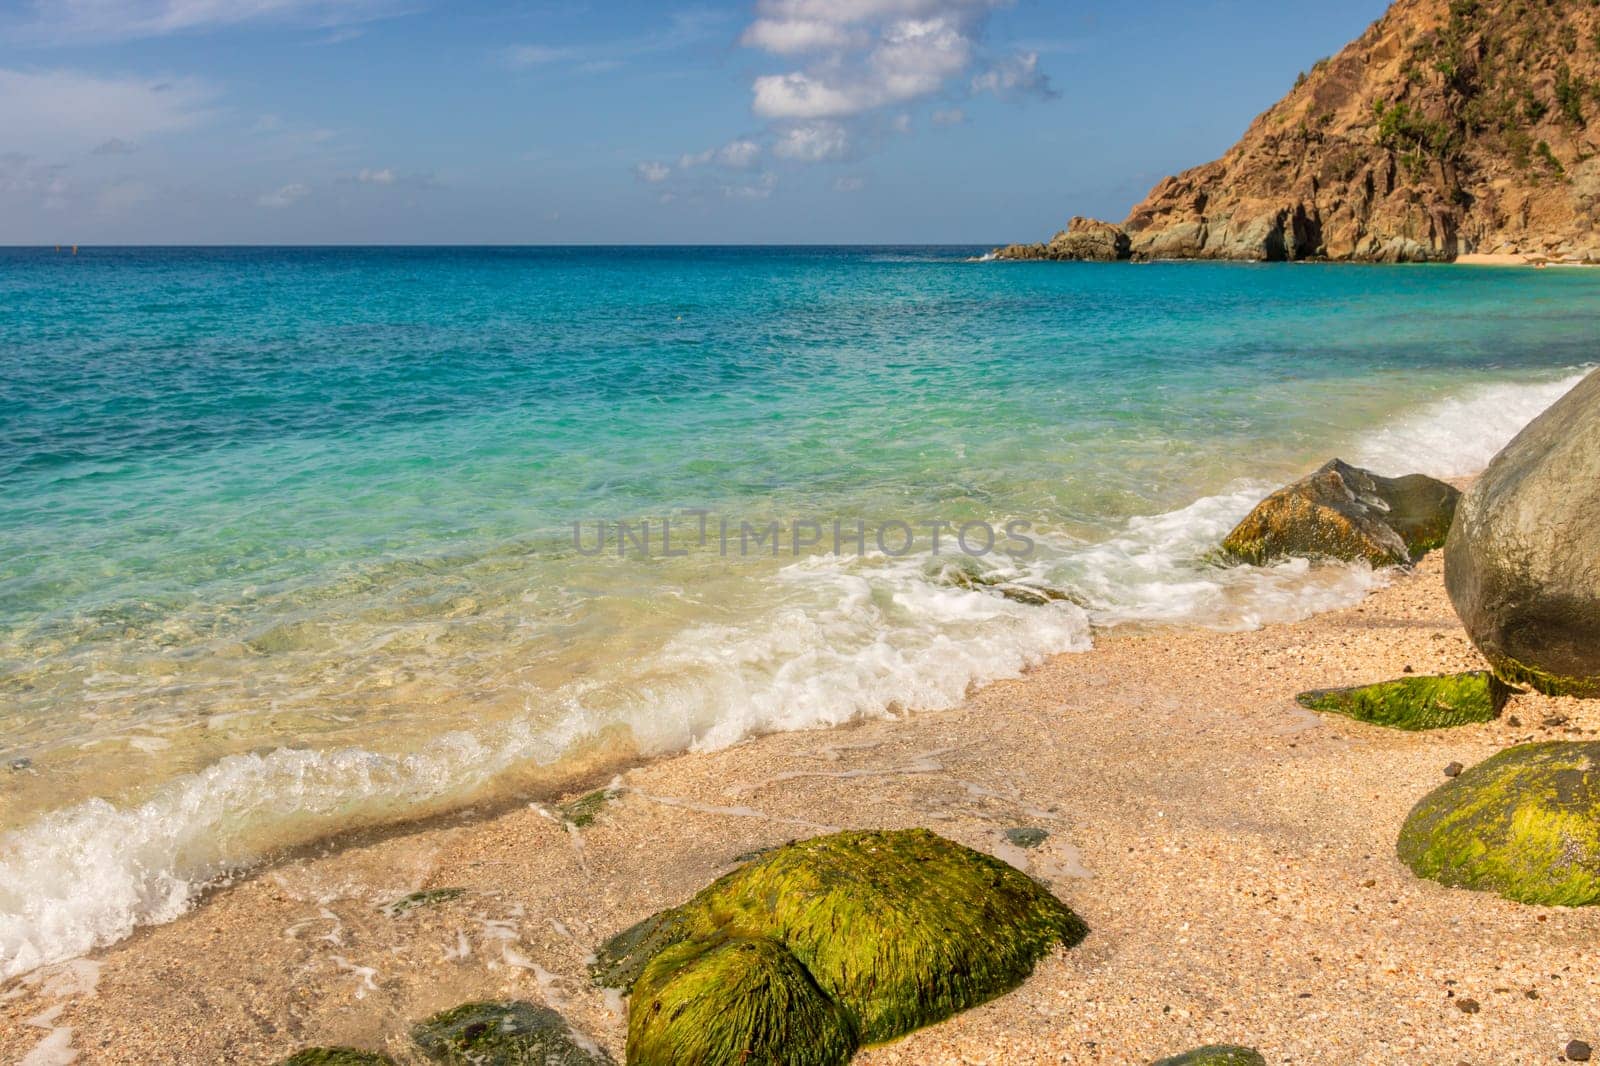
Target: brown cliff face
[1449,127]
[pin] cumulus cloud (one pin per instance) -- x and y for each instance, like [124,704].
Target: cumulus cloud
[68,110]
[283,196]
[368,176]
[813,142]
[760,189]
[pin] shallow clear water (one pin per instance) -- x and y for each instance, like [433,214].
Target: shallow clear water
[286,536]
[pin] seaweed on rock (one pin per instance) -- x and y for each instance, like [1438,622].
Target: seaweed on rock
[898,929]
[1416,703]
[503,1034]
[1524,823]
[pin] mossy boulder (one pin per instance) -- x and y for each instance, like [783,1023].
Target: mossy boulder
[1416,703]
[1523,563]
[504,1034]
[1216,1055]
[1344,512]
[898,929]
[735,1001]
[336,1056]
[1524,823]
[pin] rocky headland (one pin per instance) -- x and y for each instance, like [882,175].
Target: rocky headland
[1449,129]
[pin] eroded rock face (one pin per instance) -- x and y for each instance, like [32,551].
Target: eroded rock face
[1345,512]
[1524,823]
[1445,129]
[892,930]
[1084,239]
[1523,563]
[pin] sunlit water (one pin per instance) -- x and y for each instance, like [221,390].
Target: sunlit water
[286,538]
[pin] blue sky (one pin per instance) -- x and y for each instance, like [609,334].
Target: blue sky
[396,121]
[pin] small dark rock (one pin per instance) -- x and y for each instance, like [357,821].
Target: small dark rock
[336,1056]
[21,764]
[1555,722]
[503,1034]
[1467,1006]
[1514,722]
[1216,1055]
[1578,1051]
[1027,837]
[1409,669]
[1453,770]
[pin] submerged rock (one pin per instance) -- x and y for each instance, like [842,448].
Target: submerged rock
[620,960]
[896,929]
[1344,512]
[1416,703]
[1216,1055]
[1027,836]
[504,1034]
[336,1056]
[1524,823]
[1523,563]
[735,1001]
[582,811]
[425,898]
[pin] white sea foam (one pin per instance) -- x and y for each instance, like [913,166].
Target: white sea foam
[842,639]
[1457,437]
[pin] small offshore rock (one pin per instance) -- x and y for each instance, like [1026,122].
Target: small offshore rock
[1453,769]
[1084,239]
[1215,1055]
[1578,1051]
[512,1033]
[1344,512]
[1027,837]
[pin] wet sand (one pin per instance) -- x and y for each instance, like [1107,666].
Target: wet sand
[1232,854]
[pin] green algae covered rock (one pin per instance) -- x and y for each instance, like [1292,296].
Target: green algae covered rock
[897,929]
[1344,512]
[425,898]
[336,1056]
[1216,1055]
[735,1001]
[1524,823]
[1415,703]
[504,1034]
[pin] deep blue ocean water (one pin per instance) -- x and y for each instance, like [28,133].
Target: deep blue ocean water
[286,535]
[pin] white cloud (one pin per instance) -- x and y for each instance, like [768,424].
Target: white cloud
[652,173]
[814,142]
[67,110]
[284,196]
[1018,74]
[849,184]
[78,21]
[738,155]
[376,177]
[953,116]
[760,189]
[795,36]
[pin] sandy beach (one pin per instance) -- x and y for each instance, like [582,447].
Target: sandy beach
[1232,853]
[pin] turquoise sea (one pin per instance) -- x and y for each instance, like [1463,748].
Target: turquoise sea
[287,535]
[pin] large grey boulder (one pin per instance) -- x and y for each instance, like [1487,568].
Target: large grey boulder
[1522,563]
